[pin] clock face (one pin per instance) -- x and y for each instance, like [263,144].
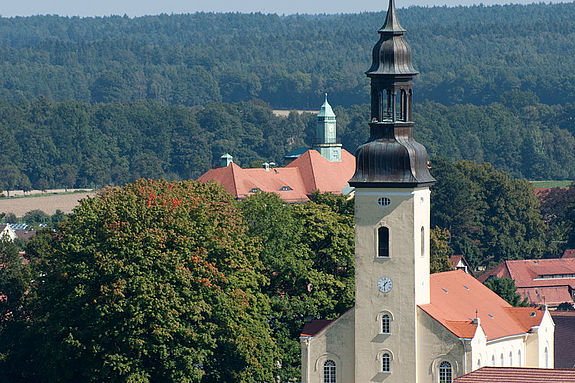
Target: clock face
[384,285]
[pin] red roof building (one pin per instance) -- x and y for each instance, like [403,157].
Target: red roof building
[541,281]
[497,318]
[293,183]
[517,375]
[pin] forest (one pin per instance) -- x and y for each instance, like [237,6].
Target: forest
[89,102]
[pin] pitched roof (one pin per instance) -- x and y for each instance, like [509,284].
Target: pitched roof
[537,272]
[539,280]
[318,173]
[314,327]
[457,296]
[564,356]
[293,183]
[517,375]
[568,253]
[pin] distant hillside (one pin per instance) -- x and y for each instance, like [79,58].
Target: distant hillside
[464,54]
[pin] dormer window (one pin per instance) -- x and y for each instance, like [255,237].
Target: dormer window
[255,190]
[285,188]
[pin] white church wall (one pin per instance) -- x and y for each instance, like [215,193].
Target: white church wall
[333,343]
[437,344]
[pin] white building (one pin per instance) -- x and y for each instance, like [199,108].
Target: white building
[408,326]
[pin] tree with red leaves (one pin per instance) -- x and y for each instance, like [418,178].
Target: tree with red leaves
[152,282]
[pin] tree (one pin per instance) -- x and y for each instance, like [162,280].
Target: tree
[308,255]
[439,250]
[152,282]
[506,289]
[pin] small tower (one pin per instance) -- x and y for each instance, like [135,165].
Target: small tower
[225,160]
[325,137]
[391,220]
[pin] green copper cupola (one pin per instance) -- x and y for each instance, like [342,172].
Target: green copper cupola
[326,134]
[391,157]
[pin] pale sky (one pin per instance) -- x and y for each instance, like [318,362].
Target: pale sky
[152,7]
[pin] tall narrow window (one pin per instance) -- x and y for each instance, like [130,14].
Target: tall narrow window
[399,106]
[519,357]
[510,358]
[493,360]
[385,321]
[329,372]
[546,358]
[502,362]
[422,241]
[445,374]
[383,242]
[386,363]
[389,109]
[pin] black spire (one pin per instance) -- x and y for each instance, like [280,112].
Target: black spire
[391,157]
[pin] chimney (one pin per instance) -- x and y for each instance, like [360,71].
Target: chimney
[266,166]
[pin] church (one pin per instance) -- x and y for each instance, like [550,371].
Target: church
[408,326]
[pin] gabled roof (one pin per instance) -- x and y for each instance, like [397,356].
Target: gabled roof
[318,173]
[532,272]
[517,375]
[456,297]
[568,253]
[315,327]
[541,281]
[293,183]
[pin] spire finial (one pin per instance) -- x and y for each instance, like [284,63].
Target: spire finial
[391,21]
[325,96]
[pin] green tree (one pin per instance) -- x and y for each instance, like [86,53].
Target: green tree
[153,282]
[308,255]
[506,289]
[440,251]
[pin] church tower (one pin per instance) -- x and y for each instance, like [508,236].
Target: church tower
[392,207]
[325,137]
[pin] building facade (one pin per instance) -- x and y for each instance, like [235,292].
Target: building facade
[408,326]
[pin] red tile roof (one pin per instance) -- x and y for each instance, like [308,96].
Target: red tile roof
[568,253]
[303,176]
[528,274]
[457,296]
[517,375]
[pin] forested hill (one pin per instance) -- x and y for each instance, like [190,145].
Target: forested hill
[465,55]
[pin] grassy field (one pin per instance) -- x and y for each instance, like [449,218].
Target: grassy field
[551,184]
[48,203]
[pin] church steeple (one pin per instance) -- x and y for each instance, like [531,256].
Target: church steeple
[391,157]
[325,137]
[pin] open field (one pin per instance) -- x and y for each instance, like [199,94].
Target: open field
[551,184]
[48,203]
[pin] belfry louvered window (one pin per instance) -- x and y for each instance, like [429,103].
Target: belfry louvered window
[383,242]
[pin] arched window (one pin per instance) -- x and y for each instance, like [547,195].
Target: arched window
[329,372]
[493,360]
[502,363]
[445,374]
[510,358]
[383,242]
[546,358]
[385,322]
[422,241]
[478,363]
[519,357]
[386,363]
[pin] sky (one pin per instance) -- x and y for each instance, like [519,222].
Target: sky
[132,8]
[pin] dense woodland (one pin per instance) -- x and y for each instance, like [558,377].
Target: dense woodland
[98,101]
[175,281]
